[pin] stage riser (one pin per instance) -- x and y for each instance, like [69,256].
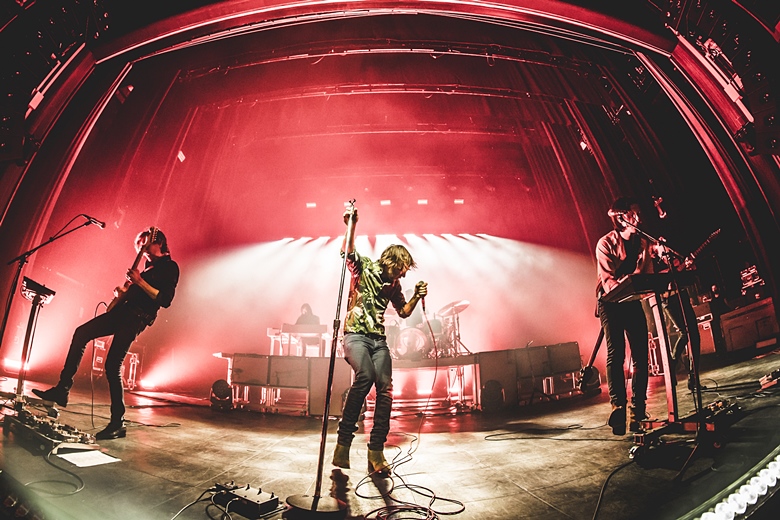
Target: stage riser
[506,379]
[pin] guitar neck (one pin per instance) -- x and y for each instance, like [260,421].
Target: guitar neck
[137,259]
[704,244]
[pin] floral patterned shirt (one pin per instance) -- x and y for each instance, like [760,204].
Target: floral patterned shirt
[369,296]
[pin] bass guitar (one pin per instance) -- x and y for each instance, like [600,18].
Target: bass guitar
[120,293]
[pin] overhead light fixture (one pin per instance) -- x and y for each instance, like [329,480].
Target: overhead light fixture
[459,201]
[384,202]
[422,202]
[311,204]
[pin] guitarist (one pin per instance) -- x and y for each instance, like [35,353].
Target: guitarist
[134,308]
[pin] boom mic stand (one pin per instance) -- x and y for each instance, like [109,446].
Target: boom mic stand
[317,504]
[22,259]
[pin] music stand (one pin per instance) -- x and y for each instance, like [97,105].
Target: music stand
[33,289]
[39,295]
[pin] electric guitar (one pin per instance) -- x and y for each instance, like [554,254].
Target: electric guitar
[120,293]
[687,263]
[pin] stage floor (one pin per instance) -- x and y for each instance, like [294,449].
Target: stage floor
[549,460]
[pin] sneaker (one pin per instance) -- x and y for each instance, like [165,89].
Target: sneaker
[55,394]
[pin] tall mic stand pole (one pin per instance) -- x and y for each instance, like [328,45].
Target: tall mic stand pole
[675,287]
[700,419]
[317,504]
[22,259]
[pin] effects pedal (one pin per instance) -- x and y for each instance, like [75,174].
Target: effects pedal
[45,433]
[246,501]
[769,380]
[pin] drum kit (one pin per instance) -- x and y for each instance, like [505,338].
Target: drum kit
[437,336]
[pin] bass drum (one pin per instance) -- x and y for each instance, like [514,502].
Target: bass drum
[412,345]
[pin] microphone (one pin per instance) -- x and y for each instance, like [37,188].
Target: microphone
[93,220]
[422,300]
[657,203]
[616,213]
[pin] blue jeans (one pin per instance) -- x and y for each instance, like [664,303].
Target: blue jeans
[370,358]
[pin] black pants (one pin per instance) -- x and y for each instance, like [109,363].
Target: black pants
[125,326]
[618,321]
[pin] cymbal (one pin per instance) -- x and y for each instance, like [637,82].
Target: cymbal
[454,308]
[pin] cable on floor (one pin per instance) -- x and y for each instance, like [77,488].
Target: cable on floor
[211,490]
[604,486]
[47,458]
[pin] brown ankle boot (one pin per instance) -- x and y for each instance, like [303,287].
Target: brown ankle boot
[341,456]
[377,463]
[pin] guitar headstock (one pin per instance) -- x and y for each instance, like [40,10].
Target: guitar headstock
[145,239]
[152,237]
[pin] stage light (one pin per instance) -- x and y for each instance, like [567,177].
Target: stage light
[422,202]
[724,511]
[743,500]
[221,395]
[384,202]
[459,202]
[310,205]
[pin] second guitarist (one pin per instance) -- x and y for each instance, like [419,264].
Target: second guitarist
[134,308]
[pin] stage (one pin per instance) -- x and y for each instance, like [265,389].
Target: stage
[547,460]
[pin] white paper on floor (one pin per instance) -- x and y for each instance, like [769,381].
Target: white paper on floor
[88,458]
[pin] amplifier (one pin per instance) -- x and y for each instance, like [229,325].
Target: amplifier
[744,327]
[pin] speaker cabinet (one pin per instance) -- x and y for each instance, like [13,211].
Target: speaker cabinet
[288,372]
[318,385]
[564,358]
[532,362]
[249,369]
[497,380]
[744,327]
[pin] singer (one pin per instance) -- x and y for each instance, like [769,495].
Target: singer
[619,253]
[146,293]
[373,285]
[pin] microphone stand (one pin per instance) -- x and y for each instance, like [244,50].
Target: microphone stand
[22,259]
[317,504]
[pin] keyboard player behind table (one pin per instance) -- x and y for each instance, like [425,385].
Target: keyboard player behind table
[308,317]
[620,253]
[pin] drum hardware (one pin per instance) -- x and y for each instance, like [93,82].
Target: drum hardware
[453,308]
[451,312]
[435,338]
